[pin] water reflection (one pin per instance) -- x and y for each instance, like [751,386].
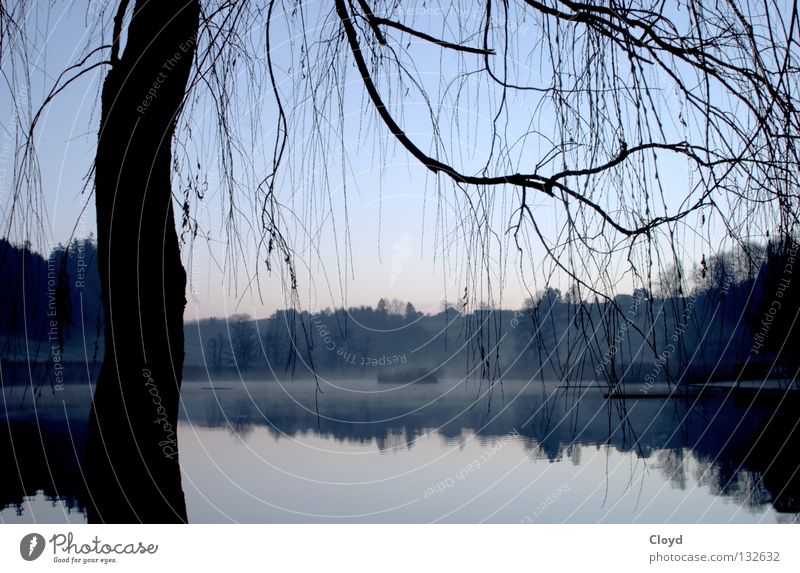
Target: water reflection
[294,452]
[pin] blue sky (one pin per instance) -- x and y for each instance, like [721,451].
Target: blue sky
[364,218]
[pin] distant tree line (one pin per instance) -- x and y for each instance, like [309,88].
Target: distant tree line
[295,340]
[53,297]
[731,315]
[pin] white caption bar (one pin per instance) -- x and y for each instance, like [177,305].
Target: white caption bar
[400,548]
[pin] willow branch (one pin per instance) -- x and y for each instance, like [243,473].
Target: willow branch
[524,181]
[428,38]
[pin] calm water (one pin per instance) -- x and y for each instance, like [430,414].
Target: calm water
[361,451]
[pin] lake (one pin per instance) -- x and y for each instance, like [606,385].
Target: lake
[453,451]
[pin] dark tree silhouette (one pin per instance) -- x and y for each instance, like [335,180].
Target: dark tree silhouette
[133,469]
[243,340]
[215,352]
[775,312]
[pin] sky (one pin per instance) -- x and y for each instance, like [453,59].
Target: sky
[364,218]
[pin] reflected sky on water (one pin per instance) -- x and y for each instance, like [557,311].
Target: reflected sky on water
[362,451]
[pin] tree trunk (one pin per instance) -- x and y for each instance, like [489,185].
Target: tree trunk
[133,473]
